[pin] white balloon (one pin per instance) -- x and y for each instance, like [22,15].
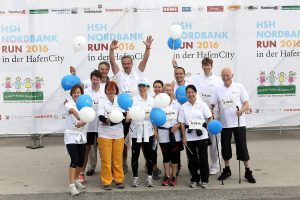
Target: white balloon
[79,43]
[175,31]
[116,116]
[136,113]
[161,100]
[87,114]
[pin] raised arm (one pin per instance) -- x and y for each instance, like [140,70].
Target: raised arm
[114,66]
[73,70]
[148,44]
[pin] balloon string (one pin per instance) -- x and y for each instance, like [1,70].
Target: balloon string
[173,49]
[173,44]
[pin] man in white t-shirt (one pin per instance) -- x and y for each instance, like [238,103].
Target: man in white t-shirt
[128,78]
[232,100]
[206,85]
[179,75]
[104,68]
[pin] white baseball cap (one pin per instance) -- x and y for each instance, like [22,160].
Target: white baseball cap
[144,81]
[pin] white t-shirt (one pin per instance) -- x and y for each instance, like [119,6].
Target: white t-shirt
[105,131]
[129,82]
[206,86]
[88,83]
[142,128]
[227,100]
[187,81]
[198,112]
[73,135]
[172,115]
[97,97]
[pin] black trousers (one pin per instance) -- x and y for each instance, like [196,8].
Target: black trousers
[77,154]
[198,159]
[240,141]
[126,126]
[135,154]
[154,156]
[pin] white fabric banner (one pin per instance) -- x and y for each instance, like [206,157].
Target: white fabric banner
[259,40]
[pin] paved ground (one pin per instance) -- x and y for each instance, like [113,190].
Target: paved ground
[42,173]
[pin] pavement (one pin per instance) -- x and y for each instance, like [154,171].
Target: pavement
[43,173]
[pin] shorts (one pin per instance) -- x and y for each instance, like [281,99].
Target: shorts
[240,141]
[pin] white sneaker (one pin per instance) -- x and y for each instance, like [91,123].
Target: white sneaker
[204,185]
[135,182]
[213,171]
[194,184]
[149,182]
[79,185]
[73,190]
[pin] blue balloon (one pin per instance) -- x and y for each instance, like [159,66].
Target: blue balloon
[214,127]
[125,101]
[84,100]
[158,117]
[181,94]
[174,44]
[76,80]
[69,81]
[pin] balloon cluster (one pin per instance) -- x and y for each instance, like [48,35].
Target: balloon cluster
[174,42]
[136,113]
[158,116]
[84,105]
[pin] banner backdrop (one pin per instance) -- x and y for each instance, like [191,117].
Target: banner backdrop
[260,40]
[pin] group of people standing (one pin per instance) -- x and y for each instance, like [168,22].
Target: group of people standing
[208,96]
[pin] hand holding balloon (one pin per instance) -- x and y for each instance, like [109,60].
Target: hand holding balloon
[115,116]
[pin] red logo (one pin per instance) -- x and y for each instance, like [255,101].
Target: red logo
[215,8]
